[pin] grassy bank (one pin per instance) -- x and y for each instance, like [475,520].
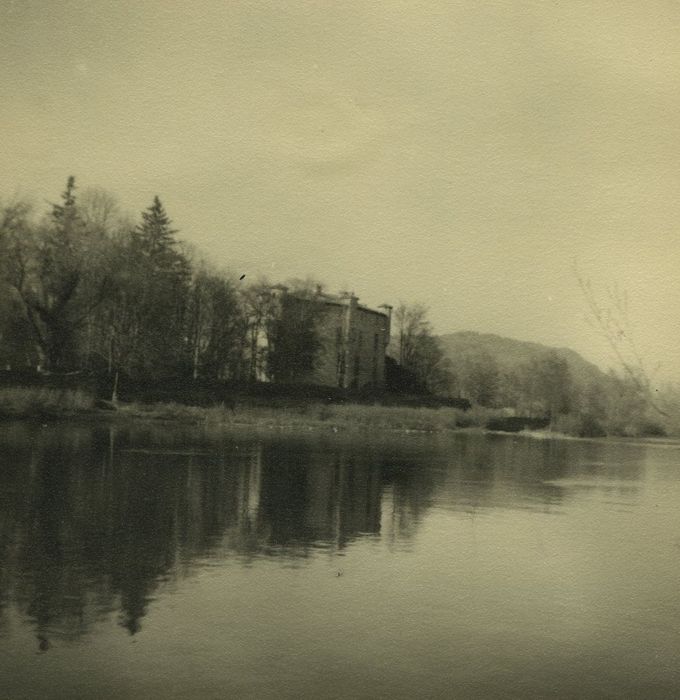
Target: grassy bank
[375,417]
[43,403]
[315,415]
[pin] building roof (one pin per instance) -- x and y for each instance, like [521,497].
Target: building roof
[342,299]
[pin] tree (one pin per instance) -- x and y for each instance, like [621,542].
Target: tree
[260,307]
[120,321]
[611,318]
[16,335]
[306,287]
[481,379]
[99,210]
[159,282]
[52,268]
[548,385]
[411,324]
[140,330]
[417,350]
[430,366]
[293,338]
[214,324]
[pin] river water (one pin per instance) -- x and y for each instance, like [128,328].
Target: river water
[163,562]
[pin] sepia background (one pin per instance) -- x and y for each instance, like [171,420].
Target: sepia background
[463,155]
[212,488]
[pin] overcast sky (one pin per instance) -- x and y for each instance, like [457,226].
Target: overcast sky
[461,154]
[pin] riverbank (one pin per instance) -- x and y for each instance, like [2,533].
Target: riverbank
[41,403]
[336,417]
[47,403]
[44,402]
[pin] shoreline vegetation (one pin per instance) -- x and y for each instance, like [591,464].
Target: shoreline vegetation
[48,403]
[122,308]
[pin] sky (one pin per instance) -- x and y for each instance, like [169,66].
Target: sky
[463,155]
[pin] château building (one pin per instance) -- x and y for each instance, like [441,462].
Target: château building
[352,339]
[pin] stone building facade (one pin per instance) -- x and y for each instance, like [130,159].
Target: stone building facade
[353,341]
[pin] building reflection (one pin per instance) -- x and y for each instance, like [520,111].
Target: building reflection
[96,521]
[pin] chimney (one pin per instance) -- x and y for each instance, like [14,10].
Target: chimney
[388,329]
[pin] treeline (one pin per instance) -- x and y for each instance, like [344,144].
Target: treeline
[578,400]
[84,288]
[542,386]
[527,380]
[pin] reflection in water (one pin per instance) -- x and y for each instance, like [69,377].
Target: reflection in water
[95,520]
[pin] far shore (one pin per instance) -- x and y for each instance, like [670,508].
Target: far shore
[314,417]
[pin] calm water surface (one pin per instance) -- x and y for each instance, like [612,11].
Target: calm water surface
[161,563]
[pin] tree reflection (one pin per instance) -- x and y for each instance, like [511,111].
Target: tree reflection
[96,521]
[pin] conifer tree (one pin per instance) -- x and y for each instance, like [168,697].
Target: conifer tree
[160,283]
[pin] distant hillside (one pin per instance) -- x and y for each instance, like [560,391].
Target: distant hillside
[510,354]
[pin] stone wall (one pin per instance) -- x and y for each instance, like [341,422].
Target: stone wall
[354,340]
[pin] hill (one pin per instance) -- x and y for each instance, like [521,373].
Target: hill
[510,355]
[538,380]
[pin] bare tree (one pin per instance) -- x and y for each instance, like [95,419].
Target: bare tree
[98,210]
[417,350]
[55,268]
[611,318]
[214,323]
[480,378]
[259,306]
[411,323]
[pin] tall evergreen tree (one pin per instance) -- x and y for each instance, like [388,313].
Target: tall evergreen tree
[155,235]
[160,283]
[65,215]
